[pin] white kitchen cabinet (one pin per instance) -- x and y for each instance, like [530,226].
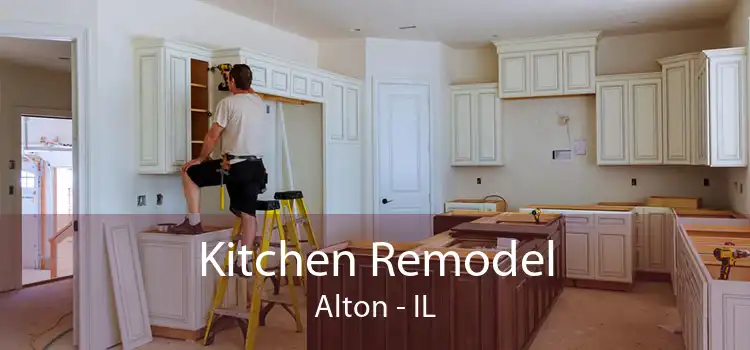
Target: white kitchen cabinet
[163,103]
[629,119]
[726,106]
[705,108]
[654,239]
[677,76]
[612,123]
[547,66]
[274,76]
[546,72]
[476,126]
[599,244]
[178,292]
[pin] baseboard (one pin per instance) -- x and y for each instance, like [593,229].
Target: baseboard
[53,280]
[604,285]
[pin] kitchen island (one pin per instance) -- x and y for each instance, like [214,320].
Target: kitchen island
[484,311]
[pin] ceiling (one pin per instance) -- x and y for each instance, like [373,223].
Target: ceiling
[36,53]
[467,23]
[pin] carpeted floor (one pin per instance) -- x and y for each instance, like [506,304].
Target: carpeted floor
[581,319]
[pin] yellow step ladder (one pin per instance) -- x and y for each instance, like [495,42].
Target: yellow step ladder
[260,306]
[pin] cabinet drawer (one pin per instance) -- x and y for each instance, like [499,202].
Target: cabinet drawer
[464,206]
[573,219]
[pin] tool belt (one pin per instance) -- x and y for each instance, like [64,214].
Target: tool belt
[230,157]
[225,171]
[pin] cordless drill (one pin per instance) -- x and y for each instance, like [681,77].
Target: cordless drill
[224,68]
[728,257]
[537,214]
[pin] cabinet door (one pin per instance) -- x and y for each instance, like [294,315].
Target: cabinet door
[578,253]
[612,122]
[178,108]
[488,143]
[656,242]
[611,257]
[579,70]
[727,107]
[677,113]
[514,73]
[149,77]
[461,126]
[546,73]
[300,84]
[700,114]
[352,112]
[280,80]
[646,121]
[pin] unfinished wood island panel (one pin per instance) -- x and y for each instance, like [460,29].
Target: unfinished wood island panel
[714,312]
[471,312]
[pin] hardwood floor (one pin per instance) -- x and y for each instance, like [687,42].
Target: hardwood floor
[581,319]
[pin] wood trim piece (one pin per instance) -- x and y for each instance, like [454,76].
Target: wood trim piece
[43,210]
[130,295]
[269,97]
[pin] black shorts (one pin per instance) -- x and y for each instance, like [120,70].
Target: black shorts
[245,181]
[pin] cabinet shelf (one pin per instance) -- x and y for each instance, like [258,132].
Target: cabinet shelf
[198,85]
[199,110]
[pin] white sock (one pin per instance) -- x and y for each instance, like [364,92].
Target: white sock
[194,219]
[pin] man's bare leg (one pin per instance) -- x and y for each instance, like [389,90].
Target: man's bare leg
[193,198]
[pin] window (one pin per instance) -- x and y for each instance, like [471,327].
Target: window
[28,180]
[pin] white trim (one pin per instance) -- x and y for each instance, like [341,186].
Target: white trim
[376,147]
[83,66]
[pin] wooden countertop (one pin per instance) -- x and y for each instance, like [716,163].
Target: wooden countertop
[708,213]
[581,207]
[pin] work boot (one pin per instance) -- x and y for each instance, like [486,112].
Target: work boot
[186,229]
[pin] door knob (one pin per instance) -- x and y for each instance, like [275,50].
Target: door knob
[386,201]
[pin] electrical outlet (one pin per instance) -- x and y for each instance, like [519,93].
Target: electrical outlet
[479,181]
[159,198]
[633,182]
[706,182]
[142,200]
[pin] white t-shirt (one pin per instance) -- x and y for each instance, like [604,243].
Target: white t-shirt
[241,116]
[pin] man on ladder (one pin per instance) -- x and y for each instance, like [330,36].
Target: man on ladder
[239,127]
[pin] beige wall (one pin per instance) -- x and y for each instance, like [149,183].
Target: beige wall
[304,129]
[531,133]
[737,33]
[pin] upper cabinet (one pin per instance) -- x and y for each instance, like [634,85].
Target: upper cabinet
[629,119]
[175,89]
[171,99]
[277,77]
[547,66]
[705,103]
[476,125]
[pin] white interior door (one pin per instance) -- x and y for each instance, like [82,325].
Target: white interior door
[31,209]
[402,117]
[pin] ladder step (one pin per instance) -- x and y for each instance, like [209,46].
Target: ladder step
[237,313]
[299,219]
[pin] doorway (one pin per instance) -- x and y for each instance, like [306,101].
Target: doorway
[46,198]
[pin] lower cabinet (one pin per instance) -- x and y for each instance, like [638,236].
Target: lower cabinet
[177,293]
[654,239]
[599,245]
